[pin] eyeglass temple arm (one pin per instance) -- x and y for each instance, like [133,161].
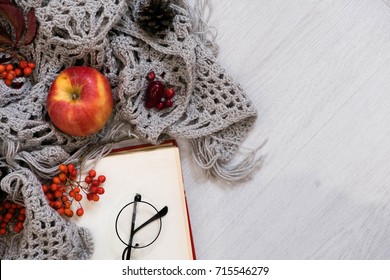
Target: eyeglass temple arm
[132,232]
[156,216]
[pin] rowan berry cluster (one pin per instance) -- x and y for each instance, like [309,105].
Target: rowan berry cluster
[12,217]
[10,71]
[66,190]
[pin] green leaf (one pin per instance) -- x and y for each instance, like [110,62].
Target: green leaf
[31,27]
[15,18]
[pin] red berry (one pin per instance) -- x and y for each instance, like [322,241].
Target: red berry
[93,189]
[45,188]
[61,211]
[151,76]
[95,183]
[53,187]
[160,106]
[11,75]
[68,212]
[49,196]
[92,173]
[100,190]
[8,216]
[3,231]
[71,167]
[57,204]
[78,197]
[72,193]
[154,93]
[58,194]
[18,227]
[56,180]
[80,212]
[102,179]
[2,68]
[21,217]
[88,180]
[63,168]
[63,177]
[169,93]
[73,173]
[168,103]
[27,71]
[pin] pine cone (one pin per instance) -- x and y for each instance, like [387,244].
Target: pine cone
[154,16]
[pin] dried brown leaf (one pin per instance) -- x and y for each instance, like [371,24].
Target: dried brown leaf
[15,18]
[5,37]
[31,27]
[5,58]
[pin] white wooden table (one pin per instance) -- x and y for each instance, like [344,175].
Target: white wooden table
[318,72]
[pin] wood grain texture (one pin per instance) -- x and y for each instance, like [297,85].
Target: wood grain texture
[318,73]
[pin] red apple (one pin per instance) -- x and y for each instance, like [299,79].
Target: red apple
[80,101]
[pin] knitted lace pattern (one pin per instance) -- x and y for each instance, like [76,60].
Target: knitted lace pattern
[210,109]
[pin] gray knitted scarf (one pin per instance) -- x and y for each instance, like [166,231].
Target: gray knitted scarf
[210,109]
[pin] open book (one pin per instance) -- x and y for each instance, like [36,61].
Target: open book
[153,174]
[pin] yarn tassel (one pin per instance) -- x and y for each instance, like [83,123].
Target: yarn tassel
[200,15]
[206,156]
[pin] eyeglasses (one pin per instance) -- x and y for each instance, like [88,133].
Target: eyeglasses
[142,214]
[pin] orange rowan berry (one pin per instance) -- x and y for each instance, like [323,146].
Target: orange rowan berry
[56,180]
[31,65]
[27,71]
[58,204]
[63,177]
[23,64]
[9,67]
[2,68]
[18,72]
[63,168]
[53,187]
[10,76]
[8,82]
[58,194]
[61,210]
[68,212]
[45,188]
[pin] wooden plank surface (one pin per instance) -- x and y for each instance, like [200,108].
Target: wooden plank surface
[318,73]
